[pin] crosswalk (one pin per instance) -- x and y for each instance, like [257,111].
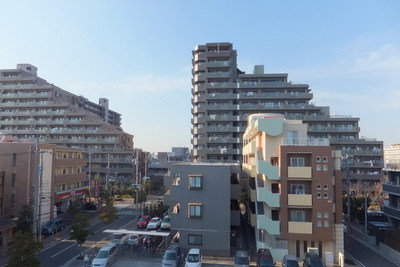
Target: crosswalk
[127,212]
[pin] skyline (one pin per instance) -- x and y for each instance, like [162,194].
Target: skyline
[138,55]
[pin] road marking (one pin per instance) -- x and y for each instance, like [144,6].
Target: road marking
[64,250]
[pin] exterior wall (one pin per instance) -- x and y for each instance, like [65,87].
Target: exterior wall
[215,198]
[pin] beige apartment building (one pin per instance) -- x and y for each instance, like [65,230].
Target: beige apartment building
[294,188]
[223,97]
[32,108]
[43,176]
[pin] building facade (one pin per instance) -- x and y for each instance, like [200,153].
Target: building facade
[392,184]
[294,188]
[203,201]
[32,108]
[223,97]
[392,156]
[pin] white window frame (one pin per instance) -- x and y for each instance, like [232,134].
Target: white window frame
[297,216]
[297,162]
[195,181]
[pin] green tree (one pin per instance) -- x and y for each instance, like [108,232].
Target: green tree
[108,212]
[79,230]
[23,250]
[25,219]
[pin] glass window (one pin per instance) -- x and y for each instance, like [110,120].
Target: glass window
[326,224]
[318,195]
[297,216]
[195,210]
[325,187]
[326,215]
[325,195]
[318,187]
[297,189]
[195,182]
[325,167]
[195,239]
[319,223]
[319,214]
[297,162]
[318,167]
[318,159]
[325,159]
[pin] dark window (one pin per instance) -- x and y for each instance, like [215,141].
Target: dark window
[305,246]
[275,188]
[13,180]
[195,210]
[195,182]
[275,215]
[195,240]
[14,163]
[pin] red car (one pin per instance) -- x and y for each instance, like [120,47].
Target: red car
[143,221]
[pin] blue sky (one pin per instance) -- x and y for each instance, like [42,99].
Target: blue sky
[138,54]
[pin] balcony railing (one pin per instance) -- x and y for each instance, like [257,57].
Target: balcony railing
[300,227]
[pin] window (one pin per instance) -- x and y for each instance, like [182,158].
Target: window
[14,159]
[298,189]
[318,159]
[325,159]
[195,240]
[318,187]
[195,210]
[319,223]
[297,216]
[326,224]
[325,167]
[326,215]
[319,214]
[195,182]
[292,137]
[13,180]
[296,162]
[318,195]
[325,195]
[318,167]
[325,187]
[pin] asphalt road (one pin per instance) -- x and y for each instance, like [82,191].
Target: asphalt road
[365,255]
[66,250]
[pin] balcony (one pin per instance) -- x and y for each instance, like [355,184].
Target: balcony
[299,172]
[300,200]
[222,107]
[266,223]
[300,227]
[391,188]
[392,211]
[271,199]
[249,169]
[272,172]
[249,148]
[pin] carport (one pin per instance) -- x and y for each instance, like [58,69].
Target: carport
[164,235]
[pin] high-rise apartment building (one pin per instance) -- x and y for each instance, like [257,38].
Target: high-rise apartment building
[32,108]
[224,96]
[294,188]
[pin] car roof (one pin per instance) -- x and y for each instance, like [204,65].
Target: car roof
[194,251]
[241,253]
[291,257]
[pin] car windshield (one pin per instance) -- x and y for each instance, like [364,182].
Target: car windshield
[242,260]
[170,256]
[133,237]
[166,220]
[292,263]
[102,254]
[143,219]
[193,258]
[154,220]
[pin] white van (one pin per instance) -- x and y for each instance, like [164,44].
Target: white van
[106,256]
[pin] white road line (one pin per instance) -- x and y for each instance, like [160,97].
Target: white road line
[64,250]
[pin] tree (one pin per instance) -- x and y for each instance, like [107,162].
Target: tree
[108,212]
[79,230]
[23,250]
[25,219]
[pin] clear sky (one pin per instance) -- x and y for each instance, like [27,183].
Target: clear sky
[138,55]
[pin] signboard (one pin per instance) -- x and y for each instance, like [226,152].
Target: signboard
[71,194]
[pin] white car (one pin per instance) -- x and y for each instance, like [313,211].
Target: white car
[193,258]
[119,239]
[166,223]
[154,223]
[106,256]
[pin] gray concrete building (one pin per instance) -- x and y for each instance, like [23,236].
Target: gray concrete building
[203,205]
[32,108]
[223,96]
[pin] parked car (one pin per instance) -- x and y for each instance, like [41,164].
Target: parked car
[290,261]
[313,260]
[143,221]
[172,257]
[241,259]
[193,258]
[154,223]
[119,239]
[106,256]
[133,240]
[264,258]
[53,226]
[166,223]
[90,206]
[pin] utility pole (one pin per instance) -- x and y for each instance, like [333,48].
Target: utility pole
[35,192]
[137,177]
[90,174]
[108,169]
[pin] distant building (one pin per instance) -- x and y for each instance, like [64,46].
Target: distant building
[180,153]
[203,205]
[392,156]
[32,108]
[392,185]
[294,188]
[223,97]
